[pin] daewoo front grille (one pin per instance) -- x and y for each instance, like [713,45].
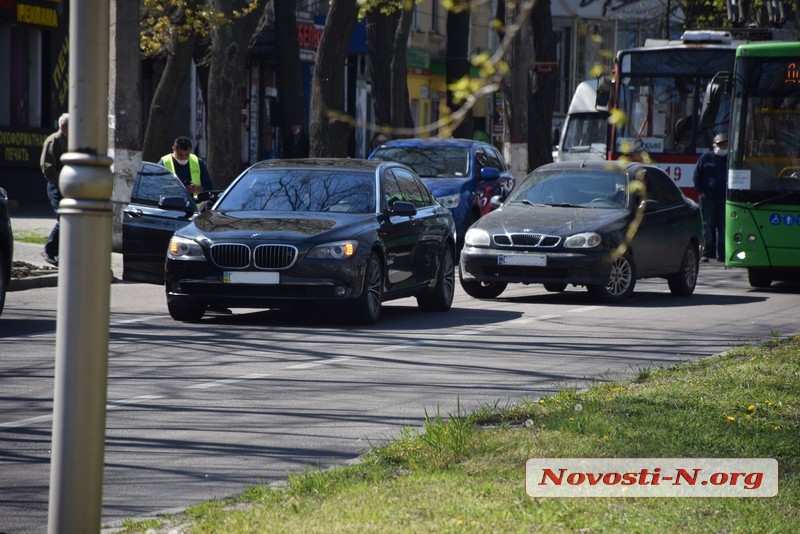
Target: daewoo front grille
[274,256]
[231,255]
[526,240]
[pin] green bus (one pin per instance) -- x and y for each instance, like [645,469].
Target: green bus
[762,227]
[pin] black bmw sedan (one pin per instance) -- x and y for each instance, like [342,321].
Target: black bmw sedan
[346,233]
[597,224]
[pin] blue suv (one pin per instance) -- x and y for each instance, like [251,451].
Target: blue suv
[463,174]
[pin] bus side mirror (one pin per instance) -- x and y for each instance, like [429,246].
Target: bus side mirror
[604,87]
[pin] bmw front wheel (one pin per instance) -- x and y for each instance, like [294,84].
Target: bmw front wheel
[367,308]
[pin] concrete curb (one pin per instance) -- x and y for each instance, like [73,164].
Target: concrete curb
[33,282]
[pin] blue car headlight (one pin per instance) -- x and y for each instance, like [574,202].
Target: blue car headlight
[583,240]
[181,248]
[338,250]
[450,201]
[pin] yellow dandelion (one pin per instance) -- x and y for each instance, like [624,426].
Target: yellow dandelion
[731,418]
[751,408]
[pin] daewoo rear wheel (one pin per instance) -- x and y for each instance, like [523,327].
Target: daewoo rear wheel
[683,282]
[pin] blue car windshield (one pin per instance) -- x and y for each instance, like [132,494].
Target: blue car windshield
[429,161]
[309,190]
[590,189]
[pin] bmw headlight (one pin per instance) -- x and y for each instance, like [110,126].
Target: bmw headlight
[181,248]
[335,251]
[450,201]
[584,240]
[475,237]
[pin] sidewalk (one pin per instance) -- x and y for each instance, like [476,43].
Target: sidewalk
[38,218]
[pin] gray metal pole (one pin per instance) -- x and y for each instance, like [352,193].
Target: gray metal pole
[84,279]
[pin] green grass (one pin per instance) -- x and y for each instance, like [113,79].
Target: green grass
[30,237]
[465,473]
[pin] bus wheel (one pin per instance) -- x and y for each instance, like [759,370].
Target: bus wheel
[759,277]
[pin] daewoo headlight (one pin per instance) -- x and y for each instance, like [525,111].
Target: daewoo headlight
[335,251]
[181,248]
[475,237]
[450,201]
[584,240]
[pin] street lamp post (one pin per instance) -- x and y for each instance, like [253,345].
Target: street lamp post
[84,279]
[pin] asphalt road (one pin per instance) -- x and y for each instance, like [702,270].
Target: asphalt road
[202,412]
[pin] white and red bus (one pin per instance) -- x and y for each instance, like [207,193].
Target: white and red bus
[668,94]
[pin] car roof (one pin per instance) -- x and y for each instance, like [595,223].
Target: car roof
[437,141]
[315,163]
[594,164]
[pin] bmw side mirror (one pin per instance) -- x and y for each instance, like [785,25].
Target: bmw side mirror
[176,204]
[496,201]
[401,207]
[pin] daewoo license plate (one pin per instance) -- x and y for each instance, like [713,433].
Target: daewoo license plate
[234,277]
[530,260]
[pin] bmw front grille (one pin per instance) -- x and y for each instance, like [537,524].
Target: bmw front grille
[240,256]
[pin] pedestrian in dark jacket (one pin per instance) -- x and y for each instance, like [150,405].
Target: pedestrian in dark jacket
[296,144]
[50,161]
[710,178]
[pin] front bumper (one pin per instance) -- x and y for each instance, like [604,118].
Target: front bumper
[494,265]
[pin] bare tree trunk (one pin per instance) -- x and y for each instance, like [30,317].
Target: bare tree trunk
[543,91]
[165,100]
[515,91]
[290,76]
[401,109]
[330,129]
[381,28]
[458,65]
[227,90]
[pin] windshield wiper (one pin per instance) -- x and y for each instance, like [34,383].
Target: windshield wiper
[773,199]
[529,203]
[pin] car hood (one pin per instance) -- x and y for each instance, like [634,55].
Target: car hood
[441,187]
[293,225]
[553,220]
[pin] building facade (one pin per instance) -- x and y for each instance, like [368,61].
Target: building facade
[34,72]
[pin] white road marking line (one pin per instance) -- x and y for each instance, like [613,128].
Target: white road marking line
[586,308]
[317,363]
[226,381]
[109,406]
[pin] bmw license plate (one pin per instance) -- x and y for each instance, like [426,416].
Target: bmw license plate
[528,260]
[235,277]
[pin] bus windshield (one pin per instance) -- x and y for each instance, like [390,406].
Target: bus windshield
[765,152]
[666,94]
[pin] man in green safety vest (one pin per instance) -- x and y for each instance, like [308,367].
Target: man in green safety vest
[191,170]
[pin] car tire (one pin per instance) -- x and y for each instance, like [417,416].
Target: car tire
[185,310]
[441,298]
[367,308]
[760,278]
[3,275]
[620,282]
[683,282]
[555,288]
[481,290]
